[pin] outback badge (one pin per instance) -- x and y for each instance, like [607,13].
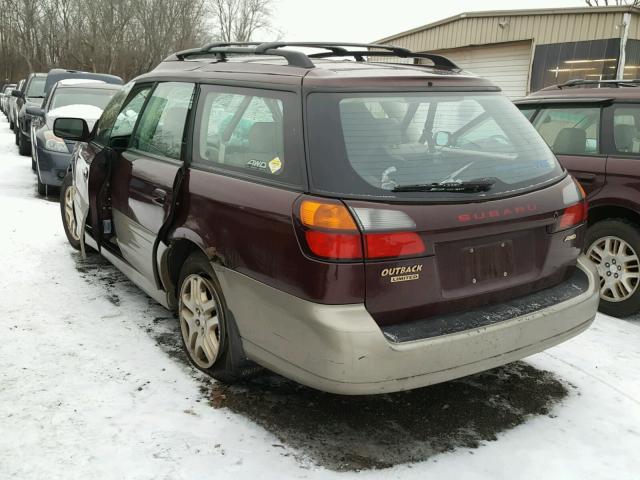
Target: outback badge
[402,274]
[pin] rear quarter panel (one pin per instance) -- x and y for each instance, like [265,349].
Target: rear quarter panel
[248,227]
[622,188]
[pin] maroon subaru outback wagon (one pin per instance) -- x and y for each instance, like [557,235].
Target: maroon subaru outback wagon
[355,225]
[595,134]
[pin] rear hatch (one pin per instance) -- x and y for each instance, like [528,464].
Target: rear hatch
[459,201]
[475,254]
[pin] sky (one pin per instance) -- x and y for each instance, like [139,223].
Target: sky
[369,20]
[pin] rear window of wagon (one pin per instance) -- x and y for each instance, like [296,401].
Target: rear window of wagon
[365,145]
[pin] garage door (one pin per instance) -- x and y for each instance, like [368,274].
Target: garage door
[505,64]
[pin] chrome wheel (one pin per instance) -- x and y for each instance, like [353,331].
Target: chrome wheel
[618,266]
[69,214]
[199,320]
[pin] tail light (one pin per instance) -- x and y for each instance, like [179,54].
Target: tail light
[330,231]
[393,244]
[577,212]
[333,232]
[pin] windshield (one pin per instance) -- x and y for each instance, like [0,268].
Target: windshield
[385,144]
[36,87]
[81,96]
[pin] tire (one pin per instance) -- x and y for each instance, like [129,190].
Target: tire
[614,246]
[24,145]
[66,211]
[33,164]
[42,188]
[17,132]
[12,125]
[201,325]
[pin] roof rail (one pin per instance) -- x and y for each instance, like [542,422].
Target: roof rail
[300,59]
[617,83]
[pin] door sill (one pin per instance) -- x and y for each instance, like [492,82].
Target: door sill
[131,273]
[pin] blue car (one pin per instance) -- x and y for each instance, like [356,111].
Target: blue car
[68,98]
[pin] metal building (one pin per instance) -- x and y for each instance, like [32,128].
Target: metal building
[525,50]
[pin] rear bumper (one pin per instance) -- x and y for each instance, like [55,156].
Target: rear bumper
[340,348]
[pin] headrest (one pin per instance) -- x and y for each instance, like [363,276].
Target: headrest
[355,112]
[266,137]
[570,140]
[624,135]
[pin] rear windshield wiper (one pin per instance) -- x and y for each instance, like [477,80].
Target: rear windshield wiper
[463,187]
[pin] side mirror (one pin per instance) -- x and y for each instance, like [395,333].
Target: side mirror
[35,111]
[442,138]
[16,93]
[75,129]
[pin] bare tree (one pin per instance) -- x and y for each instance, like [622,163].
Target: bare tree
[606,3]
[240,20]
[122,37]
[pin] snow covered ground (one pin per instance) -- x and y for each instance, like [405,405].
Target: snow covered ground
[92,385]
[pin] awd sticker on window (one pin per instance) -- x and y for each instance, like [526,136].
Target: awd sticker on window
[257,164]
[274,166]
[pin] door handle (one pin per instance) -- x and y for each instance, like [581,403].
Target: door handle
[586,177]
[159,196]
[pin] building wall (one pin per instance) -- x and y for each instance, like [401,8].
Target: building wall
[542,26]
[505,64]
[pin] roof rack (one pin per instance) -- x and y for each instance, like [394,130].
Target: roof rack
[300,59]
[617,83]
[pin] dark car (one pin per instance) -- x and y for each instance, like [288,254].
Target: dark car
[358,227]
[5,94]
[595,134]
[12,113]
[31,95]
[57,74]
[37,88]
[78,97]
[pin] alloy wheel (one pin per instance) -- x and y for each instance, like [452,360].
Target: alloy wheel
[618,266]
[199,320]
[69,214]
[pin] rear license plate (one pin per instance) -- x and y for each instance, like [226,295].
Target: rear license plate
[487,262]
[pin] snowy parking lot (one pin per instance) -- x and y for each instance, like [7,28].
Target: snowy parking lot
[93,384]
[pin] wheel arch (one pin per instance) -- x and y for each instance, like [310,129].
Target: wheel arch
[602,212]
[182,243]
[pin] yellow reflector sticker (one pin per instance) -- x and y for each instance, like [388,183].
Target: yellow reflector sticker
[275,165]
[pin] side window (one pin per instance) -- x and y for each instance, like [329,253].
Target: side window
[161,127]
[105,123]
[626,129]
[528,111]
[126,119]
[242,133]
[570,131]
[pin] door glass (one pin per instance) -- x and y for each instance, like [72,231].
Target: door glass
[118,120]
[161,126]
[110,113]
[570,131]
[243,132]
[626,123]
